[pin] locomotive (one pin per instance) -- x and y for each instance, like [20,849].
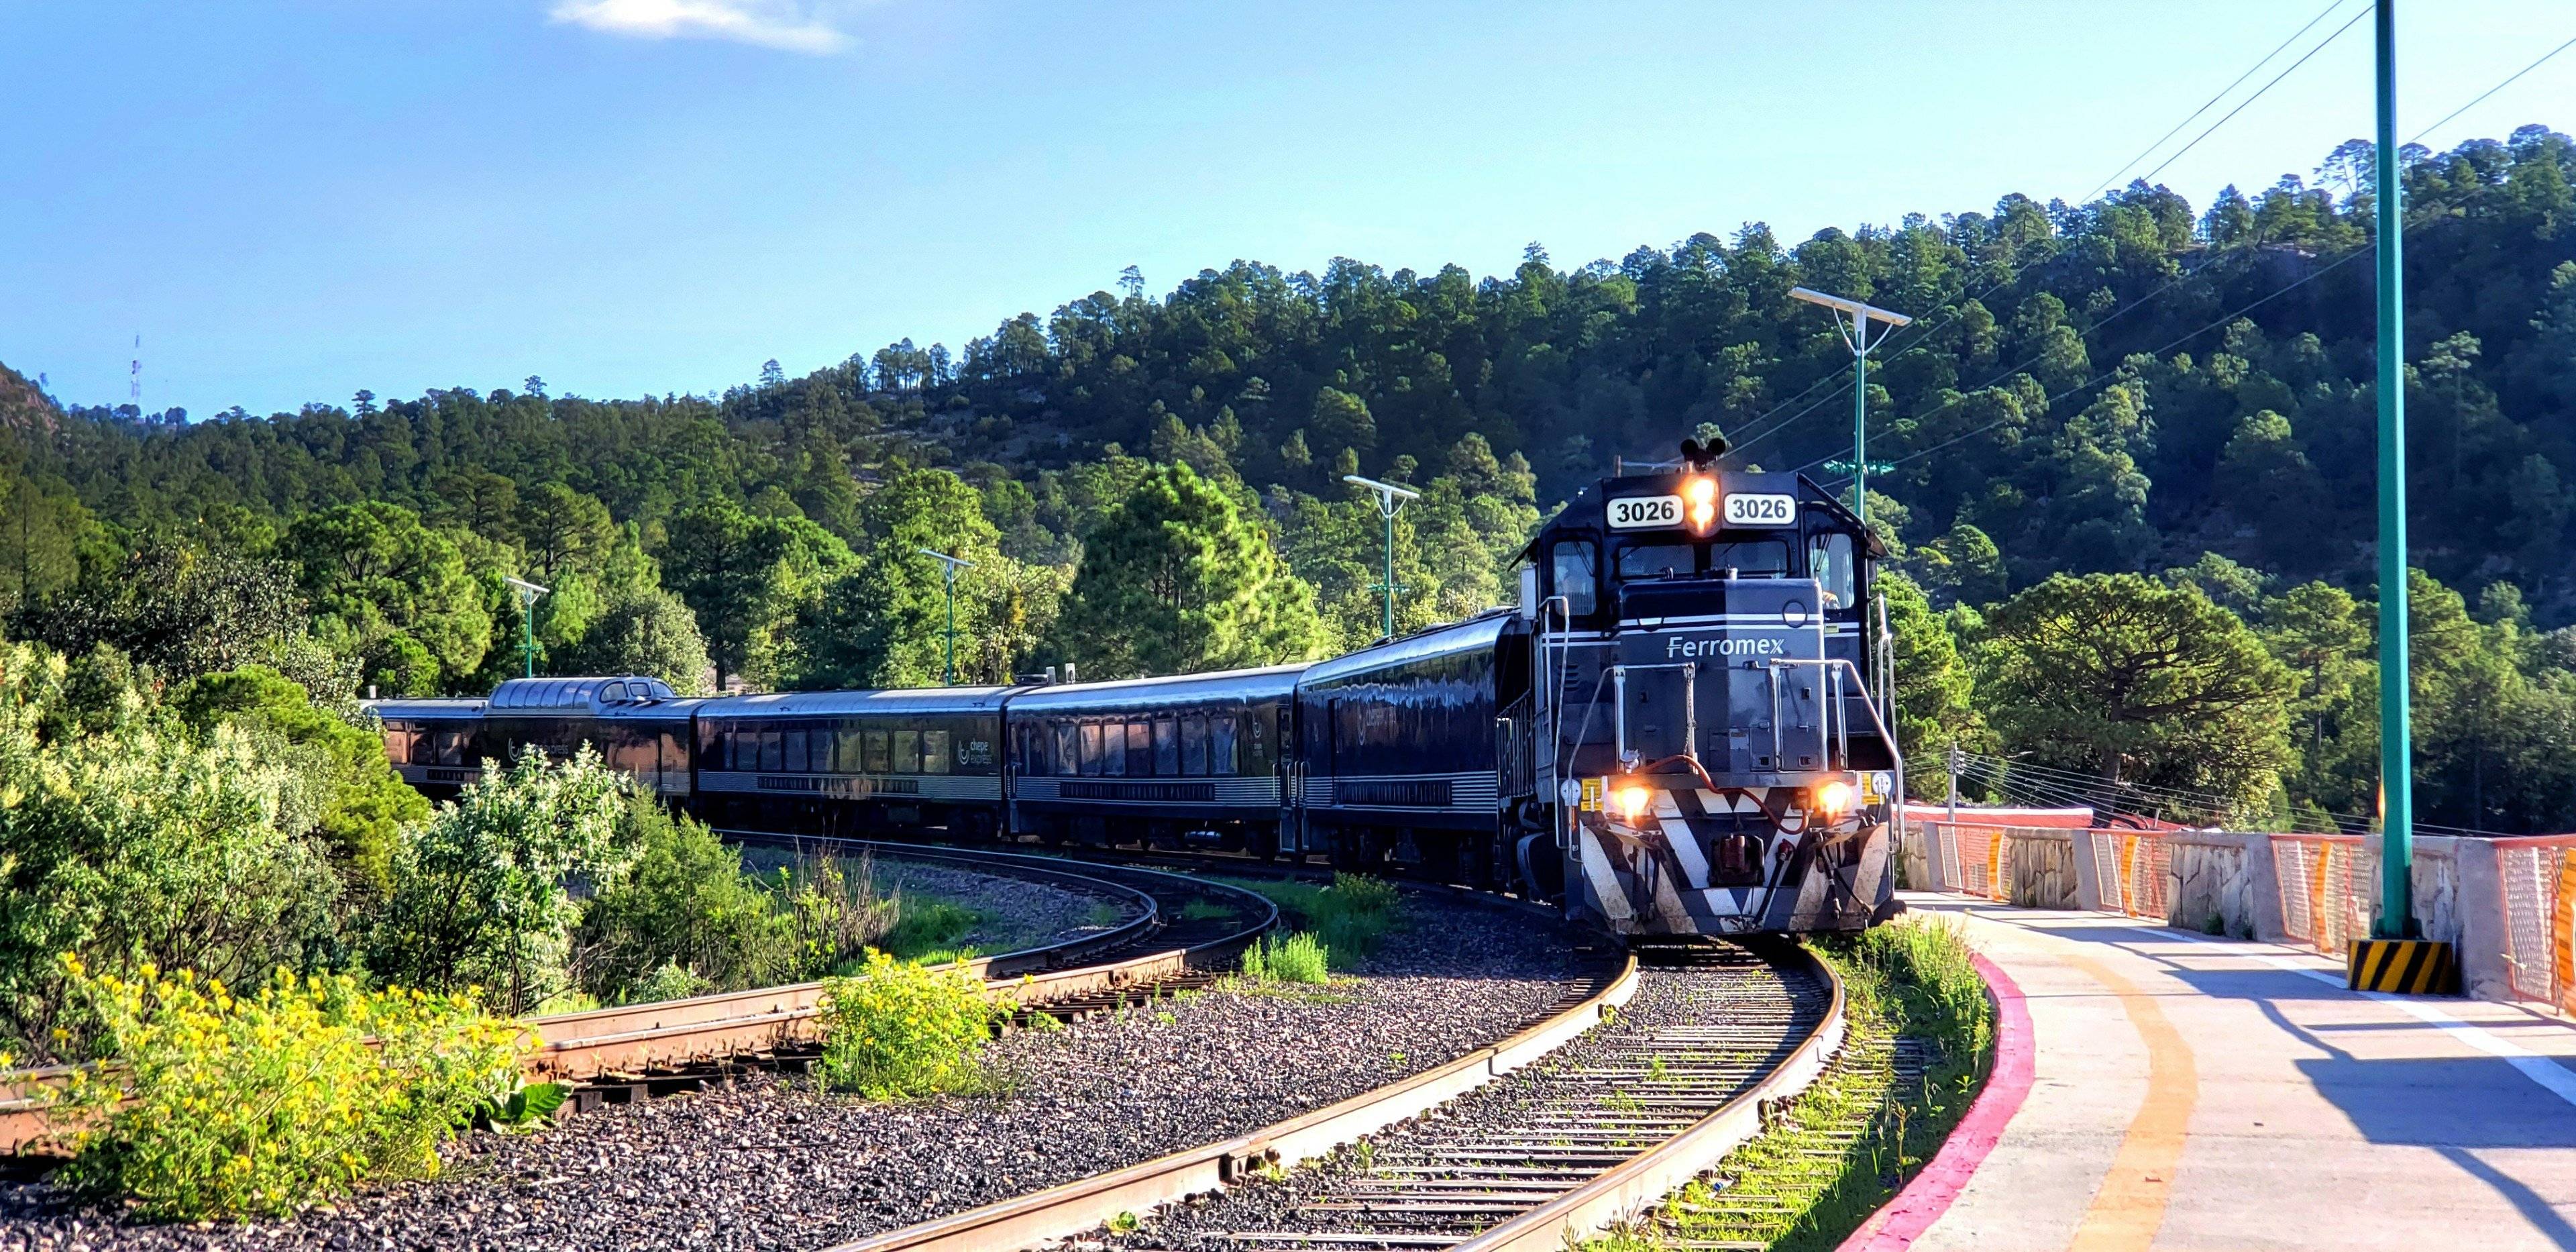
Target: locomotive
[1681,729]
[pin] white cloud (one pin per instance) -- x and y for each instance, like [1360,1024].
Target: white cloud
[783,24]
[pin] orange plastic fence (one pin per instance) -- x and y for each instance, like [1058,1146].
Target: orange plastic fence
[2325,901]
[1978,858]
[2536,875]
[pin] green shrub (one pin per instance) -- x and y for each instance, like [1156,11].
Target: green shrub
[227,1107]
[356,803]
[1287,958]
[685,918]
[837,912]
[481,892]
[1349,918]
[902,1029]
[139,845]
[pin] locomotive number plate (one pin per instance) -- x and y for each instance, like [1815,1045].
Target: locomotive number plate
[1749,509]
[1645,512]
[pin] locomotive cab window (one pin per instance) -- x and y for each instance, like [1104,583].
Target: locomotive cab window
[1648,562]
[1750,558]
[1829,562]
[1574,571]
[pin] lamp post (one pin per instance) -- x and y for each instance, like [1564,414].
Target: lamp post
[2396,736]
[948,567]
[528,593]
[1856,333]
[1390,499]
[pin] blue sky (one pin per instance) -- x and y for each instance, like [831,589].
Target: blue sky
[291,201]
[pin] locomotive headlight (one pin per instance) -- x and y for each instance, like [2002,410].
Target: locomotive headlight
[1834,798]
[1699,495]
[1633,800]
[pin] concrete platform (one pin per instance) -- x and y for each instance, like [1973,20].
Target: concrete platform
[2191,1093]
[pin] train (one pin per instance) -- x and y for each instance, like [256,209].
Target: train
[1681,729]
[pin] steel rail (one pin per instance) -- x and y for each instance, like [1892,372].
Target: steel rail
[1545,1224]
[1628,1190]
[1075,1207]
[642,1038]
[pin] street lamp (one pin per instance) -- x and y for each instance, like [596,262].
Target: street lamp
[1856,333]
[948,567]
[528,593]
[2396,918]
[1390,498]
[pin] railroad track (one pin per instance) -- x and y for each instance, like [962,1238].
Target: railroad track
[1178,933]
[1580,1121]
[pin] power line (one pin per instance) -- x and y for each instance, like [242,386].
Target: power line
[2250,70]
[2150,175]
[2482,96]
[2109,374]
[1925,330]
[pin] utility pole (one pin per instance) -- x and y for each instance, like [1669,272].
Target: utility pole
[2396,918]
[1390,499]
[948,567]
[1856,333]
[528,593]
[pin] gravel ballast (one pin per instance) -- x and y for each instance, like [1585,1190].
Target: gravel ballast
[770,1163]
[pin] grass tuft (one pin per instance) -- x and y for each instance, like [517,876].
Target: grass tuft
[1287,958]
[1349,918]
[1920,1038]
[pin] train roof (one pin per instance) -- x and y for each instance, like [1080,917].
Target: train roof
[424,707]
[1476,634]
[1267,682]
[588,695]
[889,701]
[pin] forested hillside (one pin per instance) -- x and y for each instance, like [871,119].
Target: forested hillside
[2127,387]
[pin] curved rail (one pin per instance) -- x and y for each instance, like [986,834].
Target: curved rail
[642,1038]
[1617,1194]
[1081,1205]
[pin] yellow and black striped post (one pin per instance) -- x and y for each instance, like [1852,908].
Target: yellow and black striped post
[2423,967]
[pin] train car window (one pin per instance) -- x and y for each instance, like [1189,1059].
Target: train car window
[397,743]
[1140,750]
[1646,562]
[934,752]
[1068,761]
[1167,748]
[675,763]
[1091,750]
[1221,745]
[1750,558]
[773,751]
[878,756]
[907,752]
[845,750]
[1194,745]
[1574,570]
[1829,562]
[1113,749]
[800,749]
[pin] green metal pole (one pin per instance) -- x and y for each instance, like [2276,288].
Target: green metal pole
[1389,515]
[948,575]
[1860,421]
[2396,918]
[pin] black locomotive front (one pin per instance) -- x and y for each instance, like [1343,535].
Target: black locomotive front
[1712,757]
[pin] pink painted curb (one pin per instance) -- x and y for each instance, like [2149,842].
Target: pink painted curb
[1896,1226]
